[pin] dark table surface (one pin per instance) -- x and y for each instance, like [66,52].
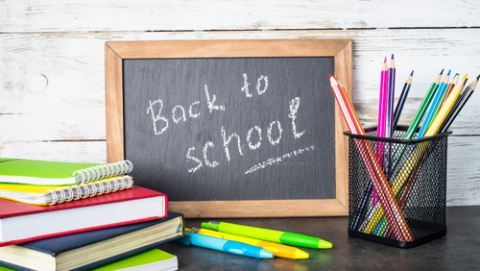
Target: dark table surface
[458,250]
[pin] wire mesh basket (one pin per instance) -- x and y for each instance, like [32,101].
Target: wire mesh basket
[415,174]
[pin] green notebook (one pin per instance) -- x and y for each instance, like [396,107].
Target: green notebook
[55,173]
[154,259]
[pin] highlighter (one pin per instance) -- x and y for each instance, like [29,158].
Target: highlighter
[278,250]
[287,238]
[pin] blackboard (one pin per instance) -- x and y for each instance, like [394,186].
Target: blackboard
[232,130]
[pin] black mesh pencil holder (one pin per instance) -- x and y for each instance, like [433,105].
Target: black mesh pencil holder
[413,172]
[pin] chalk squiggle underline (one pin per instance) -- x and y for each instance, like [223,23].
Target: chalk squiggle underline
[279,159]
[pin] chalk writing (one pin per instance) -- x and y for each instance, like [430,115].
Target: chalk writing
[226,142]
[231,141]
[259,85]
[265,79]
[269,133]
[190,110]
[209,144]
[245,86]
[279,159]
[211,103]
[194,159]
[178,112]
[182,116]
[294,105]
[157,117]
[249,136]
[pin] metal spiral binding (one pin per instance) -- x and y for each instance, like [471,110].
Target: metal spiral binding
[82,191]
[103,171]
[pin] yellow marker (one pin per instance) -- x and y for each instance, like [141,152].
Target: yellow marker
[278,250]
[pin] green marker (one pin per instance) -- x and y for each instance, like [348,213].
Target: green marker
[286,238]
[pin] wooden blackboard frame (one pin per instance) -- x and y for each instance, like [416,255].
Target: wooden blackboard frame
[340,49]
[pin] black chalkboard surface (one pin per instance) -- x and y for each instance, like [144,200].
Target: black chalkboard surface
[231,128]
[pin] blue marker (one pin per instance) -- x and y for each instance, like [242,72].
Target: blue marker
[233,247]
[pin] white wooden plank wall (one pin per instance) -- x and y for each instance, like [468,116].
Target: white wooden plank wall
[52,103]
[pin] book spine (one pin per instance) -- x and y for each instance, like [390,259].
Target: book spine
[103,171]
[76,192]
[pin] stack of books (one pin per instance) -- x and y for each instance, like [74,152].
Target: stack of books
[79,216]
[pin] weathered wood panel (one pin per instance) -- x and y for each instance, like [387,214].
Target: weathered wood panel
[68,151]
[72,107]
[150,15]
[52,97]
[463,173]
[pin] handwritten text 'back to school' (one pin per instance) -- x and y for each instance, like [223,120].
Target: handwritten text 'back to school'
[163,120]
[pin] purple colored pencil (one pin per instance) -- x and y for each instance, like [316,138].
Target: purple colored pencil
[389,119]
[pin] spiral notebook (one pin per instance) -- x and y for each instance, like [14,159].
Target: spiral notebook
[54,194]
[56,173]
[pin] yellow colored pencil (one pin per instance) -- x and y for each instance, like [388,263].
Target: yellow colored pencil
[446,107]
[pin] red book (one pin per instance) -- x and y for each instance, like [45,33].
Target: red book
[20,222]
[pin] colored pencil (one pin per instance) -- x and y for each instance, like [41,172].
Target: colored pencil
[447,106]
[451,115]
[417,119]
[390,99]
[376,213]
[432,112]
[401,101]
[370,222]
[382,103]
[354,113]
[461,101]
[382,114]
[393,213]
[450,87]
[389,117]
[383,229]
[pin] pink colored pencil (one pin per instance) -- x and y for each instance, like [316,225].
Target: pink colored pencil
[382,116]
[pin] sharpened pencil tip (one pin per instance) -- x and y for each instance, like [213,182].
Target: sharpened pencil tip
[448,74]
[385,61]
[478,77]
[330,75]
[411,74]
[441,72]
[392,56]
[465,77]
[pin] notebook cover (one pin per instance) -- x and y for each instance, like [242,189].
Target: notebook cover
[57,246]
[102,262]
[10,208]
[39,168]
[148,257]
